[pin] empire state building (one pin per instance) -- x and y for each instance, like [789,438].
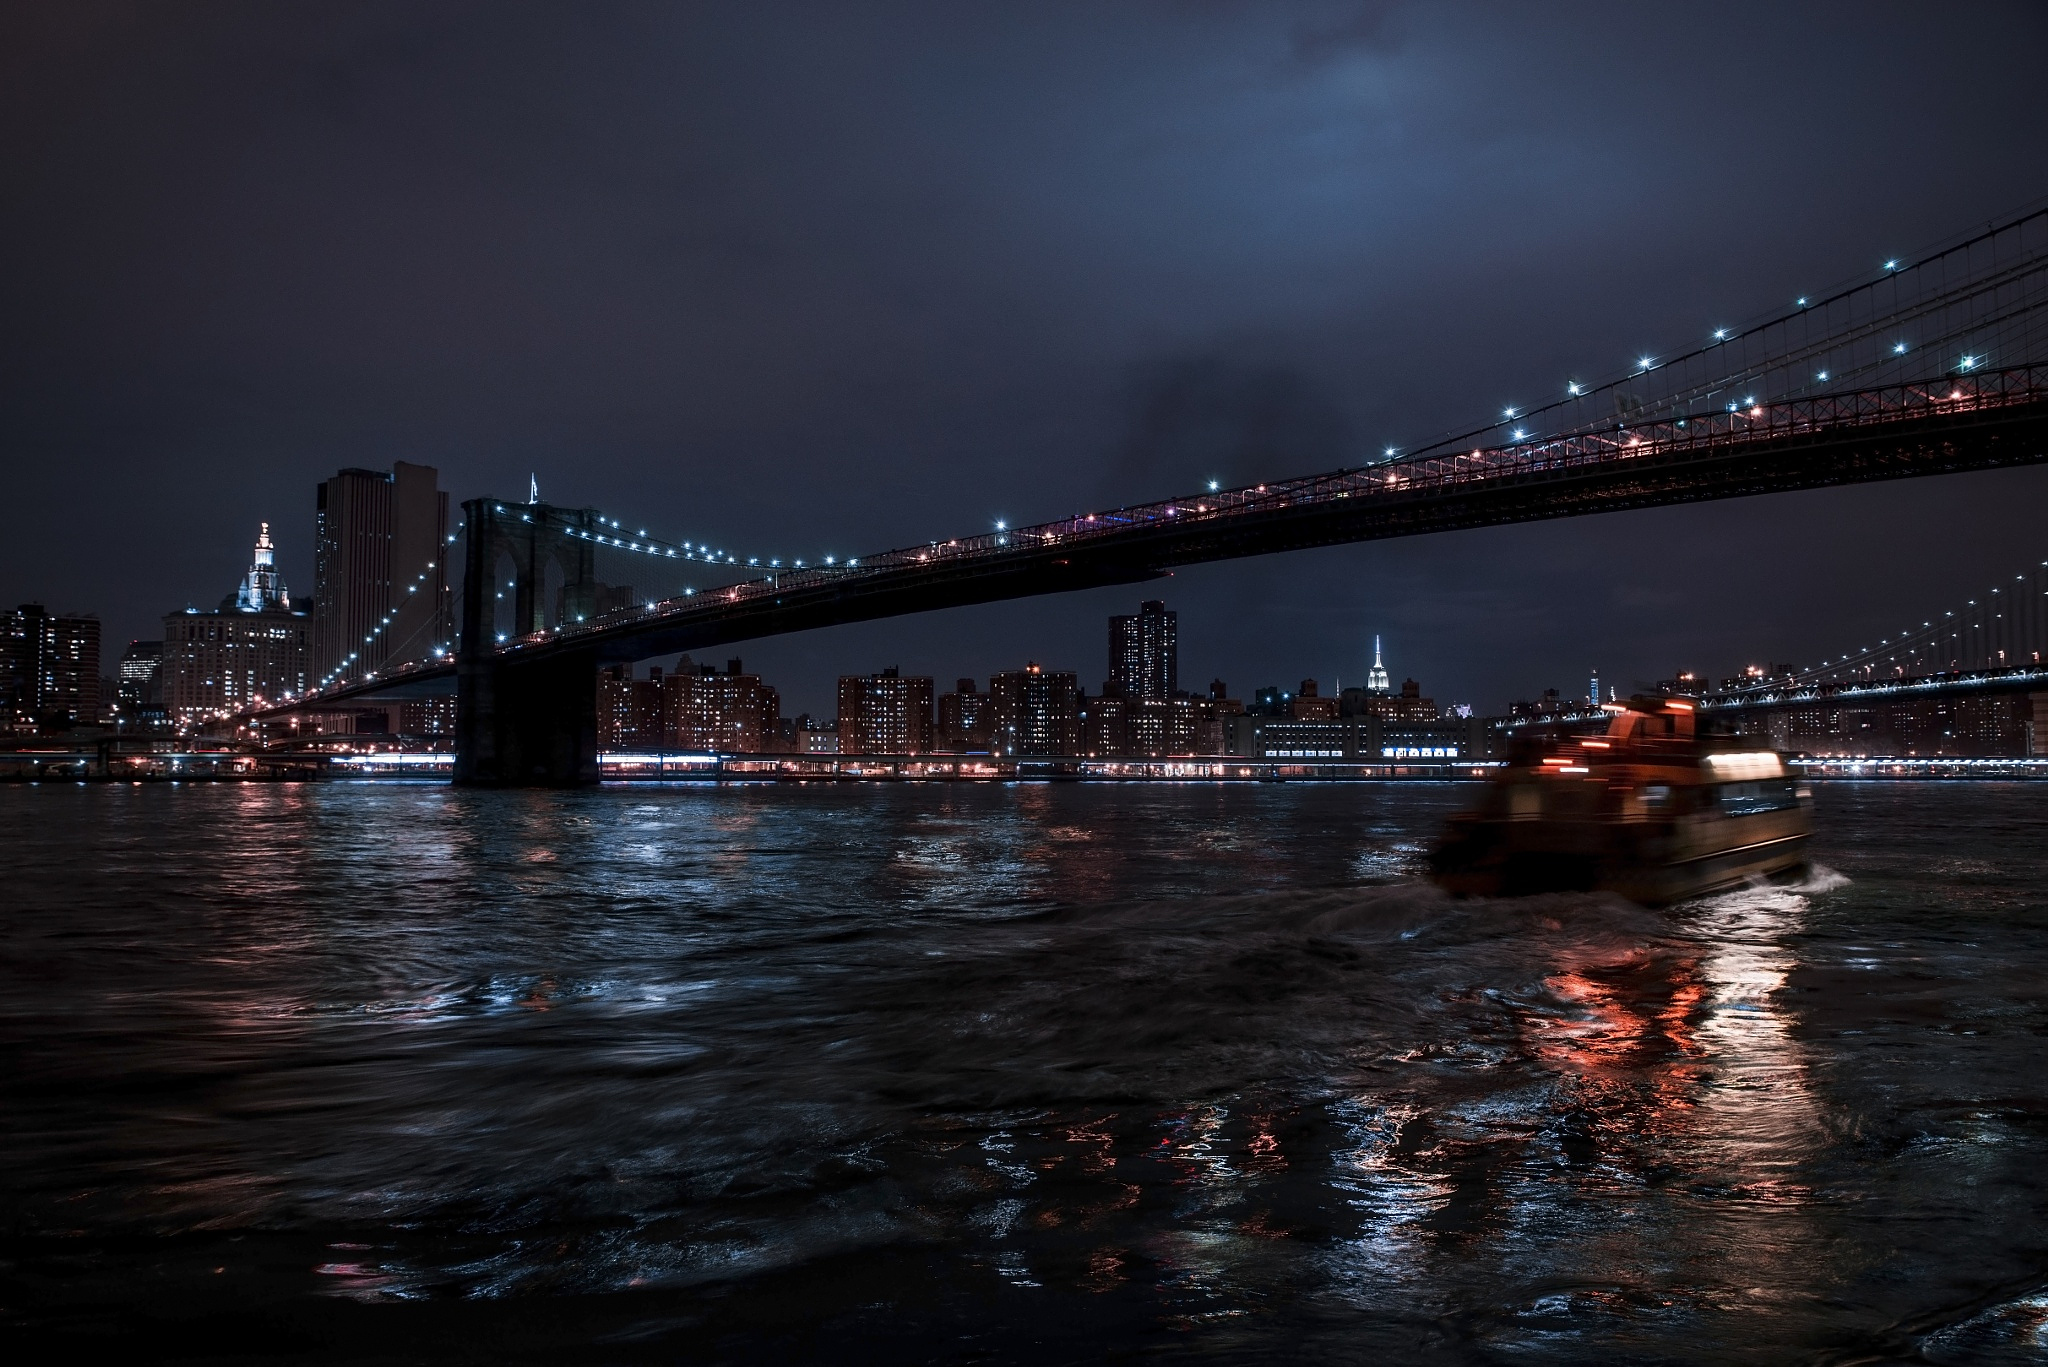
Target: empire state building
[1376,678]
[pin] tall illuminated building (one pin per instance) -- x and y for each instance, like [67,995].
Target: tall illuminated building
[732,713]
[262,590]
[885,714]
[1144,652]
[1376,678]
[1037,712]
[380,581]
[49,669]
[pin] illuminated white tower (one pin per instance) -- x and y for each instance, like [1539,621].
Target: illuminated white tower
[1376,680]
[261,591]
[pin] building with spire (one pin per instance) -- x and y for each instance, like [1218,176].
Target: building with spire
[262,590]
[252,648]
[1376,677]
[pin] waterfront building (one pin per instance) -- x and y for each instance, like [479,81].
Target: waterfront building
[1144,653]
[885,714]
[816,738]
[1106,725]
[1373,724]
[1037,711]
[1365,739]
[733,713]
[1150,728]
[49,669]
[629,710]
[253,647]
[1984,725]
[381,593]
[966,720]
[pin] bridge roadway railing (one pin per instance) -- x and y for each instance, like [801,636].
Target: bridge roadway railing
[1820,415]
[2014,679]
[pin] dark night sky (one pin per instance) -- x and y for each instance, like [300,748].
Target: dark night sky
[837,277]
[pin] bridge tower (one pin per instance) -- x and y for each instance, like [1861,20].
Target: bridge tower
[518,722]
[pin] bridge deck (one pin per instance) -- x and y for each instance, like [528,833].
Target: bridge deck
[1991,419]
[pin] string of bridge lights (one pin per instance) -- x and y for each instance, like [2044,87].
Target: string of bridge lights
[641,543]
[383,625]
[1864,653]
[1719,336]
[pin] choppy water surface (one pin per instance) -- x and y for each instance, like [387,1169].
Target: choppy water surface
[1006,1073]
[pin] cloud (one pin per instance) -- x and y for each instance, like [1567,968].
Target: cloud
[1367,27]
[1201,417]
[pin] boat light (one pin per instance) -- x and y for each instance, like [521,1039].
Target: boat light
[1746,764]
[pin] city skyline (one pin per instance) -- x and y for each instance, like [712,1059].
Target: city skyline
[1042,352]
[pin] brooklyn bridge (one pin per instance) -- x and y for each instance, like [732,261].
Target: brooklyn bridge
[1931,366]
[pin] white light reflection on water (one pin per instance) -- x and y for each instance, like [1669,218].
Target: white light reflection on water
[1392,1200]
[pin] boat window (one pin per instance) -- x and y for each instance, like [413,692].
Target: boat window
[1767,795]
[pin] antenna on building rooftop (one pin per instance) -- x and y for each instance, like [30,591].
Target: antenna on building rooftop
[533,488]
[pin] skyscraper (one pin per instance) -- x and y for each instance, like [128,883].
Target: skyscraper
[380,581]
[252,647]
[1376,677]
[1144,652]
[49,669]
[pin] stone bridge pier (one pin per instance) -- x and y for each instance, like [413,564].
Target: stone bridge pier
[526,722]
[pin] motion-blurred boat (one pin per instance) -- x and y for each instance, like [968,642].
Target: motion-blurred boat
[1657,809]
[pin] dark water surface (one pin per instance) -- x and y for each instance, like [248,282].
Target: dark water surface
[1012,1073]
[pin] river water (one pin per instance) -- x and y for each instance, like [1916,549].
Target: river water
[1005,1073]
